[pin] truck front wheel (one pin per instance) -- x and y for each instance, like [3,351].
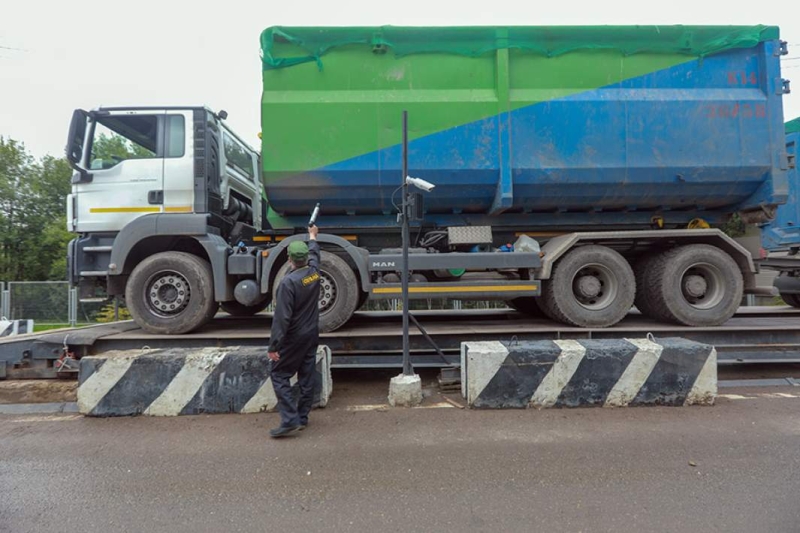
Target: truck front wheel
[170,293]
[590,287]
[338,295]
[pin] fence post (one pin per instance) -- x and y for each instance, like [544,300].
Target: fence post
[73,307]
[5,307]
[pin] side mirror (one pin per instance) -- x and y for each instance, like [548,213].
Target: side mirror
[77,134]
[75,140]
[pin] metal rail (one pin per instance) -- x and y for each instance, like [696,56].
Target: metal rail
[373,339]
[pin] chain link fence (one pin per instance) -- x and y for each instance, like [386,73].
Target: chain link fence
[52,304]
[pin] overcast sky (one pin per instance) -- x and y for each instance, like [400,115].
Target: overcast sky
[56,55]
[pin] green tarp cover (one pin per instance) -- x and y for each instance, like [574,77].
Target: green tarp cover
[311,43]
[793,126]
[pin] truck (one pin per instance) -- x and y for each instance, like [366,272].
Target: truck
[573,172]
[780,237]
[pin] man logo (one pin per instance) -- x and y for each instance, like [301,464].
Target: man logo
[383,264]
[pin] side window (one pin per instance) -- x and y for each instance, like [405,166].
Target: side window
[176,136]
[118,138]
[236,157]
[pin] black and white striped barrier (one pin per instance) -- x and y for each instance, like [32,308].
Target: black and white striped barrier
[185,381]
[10,328]
[572,373]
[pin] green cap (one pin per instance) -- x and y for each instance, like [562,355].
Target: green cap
[298,251]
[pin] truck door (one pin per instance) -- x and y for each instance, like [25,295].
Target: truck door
[178,189]
[126,162]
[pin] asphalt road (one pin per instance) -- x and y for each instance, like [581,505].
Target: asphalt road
[362,467]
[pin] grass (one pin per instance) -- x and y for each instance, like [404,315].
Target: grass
[46,327]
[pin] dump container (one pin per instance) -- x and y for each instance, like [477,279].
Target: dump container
[783,233]
[558,127]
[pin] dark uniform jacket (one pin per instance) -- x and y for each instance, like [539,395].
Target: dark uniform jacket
[295,323]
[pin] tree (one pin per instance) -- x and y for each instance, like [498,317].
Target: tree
[108,147]
[33,236]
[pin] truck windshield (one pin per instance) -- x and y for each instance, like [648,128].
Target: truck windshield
[117,138]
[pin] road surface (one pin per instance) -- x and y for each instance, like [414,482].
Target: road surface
[360,466]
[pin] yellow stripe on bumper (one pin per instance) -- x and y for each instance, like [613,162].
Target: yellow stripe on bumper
[446,288]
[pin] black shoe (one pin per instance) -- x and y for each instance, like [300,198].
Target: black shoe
[283,431]
[303,425]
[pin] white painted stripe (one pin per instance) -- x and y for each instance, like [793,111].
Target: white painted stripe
[483,360]
[94,389]
[704,391]
[263,400]
[639,369]
[572,353]
[180,391]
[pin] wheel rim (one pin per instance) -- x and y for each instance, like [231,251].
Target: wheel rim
[167,293]
[595,286]
[328,291]
[702,286]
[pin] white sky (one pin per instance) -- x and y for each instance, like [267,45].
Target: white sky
[86,53]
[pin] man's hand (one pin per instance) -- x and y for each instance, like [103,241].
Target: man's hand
[312,233]
[274,356]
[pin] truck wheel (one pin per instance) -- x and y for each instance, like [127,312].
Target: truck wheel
[171,293]
[693,285]
[791,299]
[526,305]
[234,308]
[591,286]
[338,295]
[641,301]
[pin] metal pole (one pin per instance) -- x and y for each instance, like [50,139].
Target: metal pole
[72,308]
[116,309]
[404,277]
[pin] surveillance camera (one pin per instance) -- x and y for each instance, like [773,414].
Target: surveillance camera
[420,183]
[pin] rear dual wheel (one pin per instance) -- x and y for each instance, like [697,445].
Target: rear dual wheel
[591,286]
[693,285]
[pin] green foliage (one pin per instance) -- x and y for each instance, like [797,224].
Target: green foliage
[106,314]
[108,147]
[33,235]
[734,227]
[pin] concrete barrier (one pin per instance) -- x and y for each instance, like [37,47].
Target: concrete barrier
[571,373]
[185,381]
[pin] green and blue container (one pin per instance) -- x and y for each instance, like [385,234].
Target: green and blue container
[524,127]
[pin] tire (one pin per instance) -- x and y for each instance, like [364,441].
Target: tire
[156,301]
[212,312]
[526,305]
[695,285]
[641,301]
[342,299]
[234,308]
[791,299]
[603,296]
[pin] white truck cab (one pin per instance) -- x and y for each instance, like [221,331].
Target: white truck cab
[160,198]
[138,161]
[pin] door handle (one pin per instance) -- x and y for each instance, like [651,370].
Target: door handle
[155,197]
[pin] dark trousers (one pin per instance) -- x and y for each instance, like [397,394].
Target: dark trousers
[294,410]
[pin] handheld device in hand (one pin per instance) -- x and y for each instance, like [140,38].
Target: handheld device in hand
[313,219]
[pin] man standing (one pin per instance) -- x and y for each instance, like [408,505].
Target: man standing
[295,335]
